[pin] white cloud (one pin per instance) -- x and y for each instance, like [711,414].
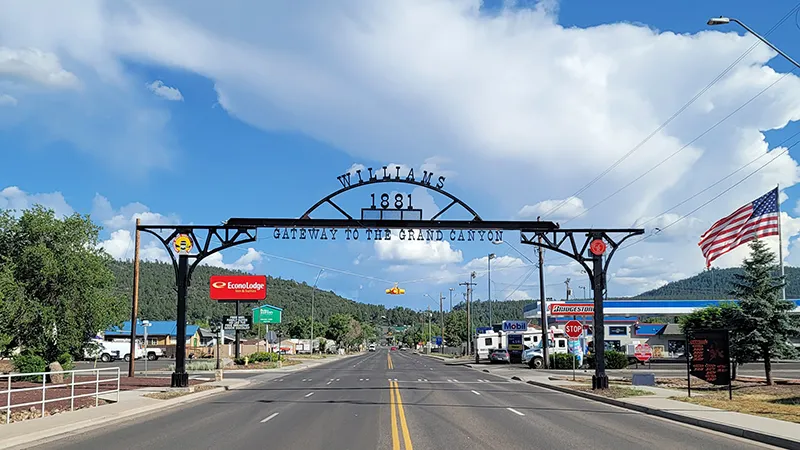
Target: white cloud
[396,80]
[416,252]
[7,100]
[31,64]
[245,262]
[567,208]
[168,93]
[15,198]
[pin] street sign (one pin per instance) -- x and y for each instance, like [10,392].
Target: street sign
[573,329]
[182,244]
[238,287]
[515,325]
[643,352]
[235,323]
[571,309]
[598,247]
[267,314]
[437,340]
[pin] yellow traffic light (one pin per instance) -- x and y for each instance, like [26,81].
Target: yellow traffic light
[395,291]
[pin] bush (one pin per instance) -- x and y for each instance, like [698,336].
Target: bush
[614,360]
[66,361]
[29,363]
[263,357]
[562,361]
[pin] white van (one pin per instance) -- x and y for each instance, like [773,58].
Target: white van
[372,347]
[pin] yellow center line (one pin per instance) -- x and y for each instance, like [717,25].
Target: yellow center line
[401,412]
[395,439]
[389,361]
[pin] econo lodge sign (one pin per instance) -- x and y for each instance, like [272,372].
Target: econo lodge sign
[238,287]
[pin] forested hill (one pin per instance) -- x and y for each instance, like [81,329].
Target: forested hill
[157,297]
[719,284]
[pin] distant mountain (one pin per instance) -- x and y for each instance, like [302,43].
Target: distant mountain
[157,297]
[715,283]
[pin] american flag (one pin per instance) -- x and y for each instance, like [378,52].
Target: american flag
[754,220]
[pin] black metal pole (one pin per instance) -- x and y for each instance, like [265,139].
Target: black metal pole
[180,378]
[599,379]
[236,351]
[688,365]
[543,309]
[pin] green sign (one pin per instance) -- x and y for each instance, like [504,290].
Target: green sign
[267,314]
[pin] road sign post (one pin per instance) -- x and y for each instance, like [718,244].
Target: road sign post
[573,329]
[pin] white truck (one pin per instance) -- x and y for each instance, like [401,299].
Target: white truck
[486,342]
[108,351]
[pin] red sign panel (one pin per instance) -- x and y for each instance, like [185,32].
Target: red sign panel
[571,309]
[238,287]
[573,329]
[643,352]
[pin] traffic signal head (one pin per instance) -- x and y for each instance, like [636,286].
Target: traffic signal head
[395,291]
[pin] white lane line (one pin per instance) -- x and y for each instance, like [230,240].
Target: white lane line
[419,379]
[270,417]
[360,379]
[311,393]
[367,379]
[515,411]
[337,379]
[454,380]
[476,392]
[329,382]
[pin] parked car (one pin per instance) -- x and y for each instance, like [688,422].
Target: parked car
[393,348]
[153,353]
[500,355]
[533,358]
[372,347]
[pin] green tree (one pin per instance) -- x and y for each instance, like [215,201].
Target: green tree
[765,321]
[455,327]
[338,327]
[56,288]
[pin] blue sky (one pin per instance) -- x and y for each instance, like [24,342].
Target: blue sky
[518,104]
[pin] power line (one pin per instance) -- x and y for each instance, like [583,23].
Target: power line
[716,196]
[673,154]
[673,116]
[695,195]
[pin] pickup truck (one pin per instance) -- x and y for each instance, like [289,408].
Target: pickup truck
[153,353]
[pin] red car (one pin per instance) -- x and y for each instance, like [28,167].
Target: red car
[393,349]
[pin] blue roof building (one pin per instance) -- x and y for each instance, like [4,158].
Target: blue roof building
[157,329]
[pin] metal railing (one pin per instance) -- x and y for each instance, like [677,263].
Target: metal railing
[109,375]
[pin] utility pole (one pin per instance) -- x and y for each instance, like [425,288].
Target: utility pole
[542,306]
[313,291]
[429,329]
[489,286]
[135,301]
[569,291]
[441,318]
[469,285]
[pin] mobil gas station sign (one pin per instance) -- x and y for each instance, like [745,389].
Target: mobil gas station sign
[515,325]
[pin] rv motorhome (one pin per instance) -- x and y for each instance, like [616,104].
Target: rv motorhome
[532,337]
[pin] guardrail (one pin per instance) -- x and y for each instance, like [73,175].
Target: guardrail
[94,377]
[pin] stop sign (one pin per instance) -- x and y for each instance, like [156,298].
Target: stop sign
[643,352]
[573,329]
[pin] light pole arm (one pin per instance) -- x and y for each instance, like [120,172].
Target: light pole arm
[764,40]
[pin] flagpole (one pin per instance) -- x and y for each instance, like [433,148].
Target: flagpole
[780,241]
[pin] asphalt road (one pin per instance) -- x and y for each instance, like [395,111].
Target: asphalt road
[396,400]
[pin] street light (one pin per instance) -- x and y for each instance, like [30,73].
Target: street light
[489,286]
[313,290]
[584,291]
[726,20]
[145,324]
[451,299]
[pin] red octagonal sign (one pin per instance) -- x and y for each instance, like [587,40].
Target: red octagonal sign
[643,352]
[573,329]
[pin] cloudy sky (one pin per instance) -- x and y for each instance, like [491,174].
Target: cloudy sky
[589,114]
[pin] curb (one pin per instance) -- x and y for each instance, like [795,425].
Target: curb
[702,423]
[52,434]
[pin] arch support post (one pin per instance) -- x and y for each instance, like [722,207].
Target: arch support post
[582,246]
[203,241]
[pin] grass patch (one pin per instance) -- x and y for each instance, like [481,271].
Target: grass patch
[613,391]
[775,402]
[174,394]
[265,365]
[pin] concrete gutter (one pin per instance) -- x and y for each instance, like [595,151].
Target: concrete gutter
[702,423]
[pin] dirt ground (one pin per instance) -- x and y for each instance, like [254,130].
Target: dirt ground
[63,390]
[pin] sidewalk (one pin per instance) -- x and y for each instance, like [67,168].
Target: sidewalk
[761,429]
[131,403]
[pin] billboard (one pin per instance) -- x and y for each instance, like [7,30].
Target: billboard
[238,287]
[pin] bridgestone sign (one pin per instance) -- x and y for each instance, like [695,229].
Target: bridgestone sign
[564,309]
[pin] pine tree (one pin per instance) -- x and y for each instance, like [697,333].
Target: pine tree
[765,321]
